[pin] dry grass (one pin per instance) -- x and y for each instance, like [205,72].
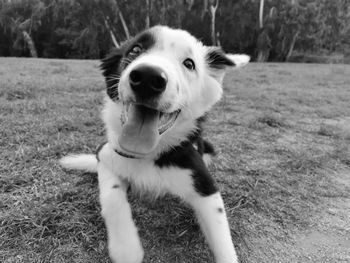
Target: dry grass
[283,166]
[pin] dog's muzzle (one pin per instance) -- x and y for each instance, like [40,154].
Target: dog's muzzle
[143,119]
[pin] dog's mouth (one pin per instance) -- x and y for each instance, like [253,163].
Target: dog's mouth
[142,127]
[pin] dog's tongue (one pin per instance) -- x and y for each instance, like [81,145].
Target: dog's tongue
[140,132]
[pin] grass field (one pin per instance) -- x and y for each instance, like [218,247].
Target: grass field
[282,132]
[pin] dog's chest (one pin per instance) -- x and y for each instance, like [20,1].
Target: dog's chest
[146,177]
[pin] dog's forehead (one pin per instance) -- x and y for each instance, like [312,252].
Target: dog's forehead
[178,41]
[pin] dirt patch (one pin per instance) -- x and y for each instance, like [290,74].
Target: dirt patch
[336,127]
[323,247]
[329,239]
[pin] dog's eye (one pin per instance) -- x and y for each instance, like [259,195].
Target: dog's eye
[188,63]
[137,49]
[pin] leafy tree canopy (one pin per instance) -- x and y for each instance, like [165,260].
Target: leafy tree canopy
[89,29]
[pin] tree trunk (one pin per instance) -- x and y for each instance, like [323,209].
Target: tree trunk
[282,50]
[121,17]
[218,43]
[163,12]
[111,33]
[205,9]
[292,44]
[190,4]
[212,30]
[30,43]
[147,20]
[109,27]
[126,30]
[213,9]
[262,54]
[263,46]
[261,14]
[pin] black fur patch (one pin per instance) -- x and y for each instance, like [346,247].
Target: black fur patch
[217,59]
[115,186]
[203,146]
[220,210]
[113,65]
[99,148]
[111,72]
[193,137]
[196,137]
[187,157]
[145,39]
[208,148]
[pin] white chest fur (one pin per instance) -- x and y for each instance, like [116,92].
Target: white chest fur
[146,177]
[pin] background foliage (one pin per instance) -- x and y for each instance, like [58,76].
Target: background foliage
[85,29]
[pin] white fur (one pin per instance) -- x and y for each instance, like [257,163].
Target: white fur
[123,242]
[207,159]
[239,59]
[192,92]
[212,218]
[85,162]
[146,177]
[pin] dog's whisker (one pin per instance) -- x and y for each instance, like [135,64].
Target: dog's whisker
[114,86]
[126,61]
[114,75]
[111,79]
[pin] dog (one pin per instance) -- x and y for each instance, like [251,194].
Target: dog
[160,86]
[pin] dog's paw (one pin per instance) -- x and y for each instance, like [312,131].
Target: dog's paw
[234,260]
[227,260]
[126,255]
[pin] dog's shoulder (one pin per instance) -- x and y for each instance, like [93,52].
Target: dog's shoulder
[200,144]
[188,155]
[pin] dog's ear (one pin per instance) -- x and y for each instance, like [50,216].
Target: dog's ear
[110,68]
[218,61]
[239,60]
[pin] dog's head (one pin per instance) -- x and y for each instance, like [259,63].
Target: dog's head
[159,83]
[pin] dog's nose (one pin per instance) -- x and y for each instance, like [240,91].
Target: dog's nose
[148,81]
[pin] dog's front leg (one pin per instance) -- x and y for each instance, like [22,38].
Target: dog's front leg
[212,218]
[123,241]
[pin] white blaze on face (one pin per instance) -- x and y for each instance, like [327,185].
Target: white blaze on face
[171,49]
[192,91]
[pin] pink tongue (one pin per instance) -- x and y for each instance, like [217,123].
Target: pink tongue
[140,133]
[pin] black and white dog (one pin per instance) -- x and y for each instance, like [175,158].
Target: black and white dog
[160,85]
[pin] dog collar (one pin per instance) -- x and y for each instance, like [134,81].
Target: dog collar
[126,155]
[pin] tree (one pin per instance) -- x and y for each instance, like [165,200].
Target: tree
[263,43]
[213,6]
[267,30]
[109,23]
[148,8]
[121,17]
[261,14]
[21,18]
